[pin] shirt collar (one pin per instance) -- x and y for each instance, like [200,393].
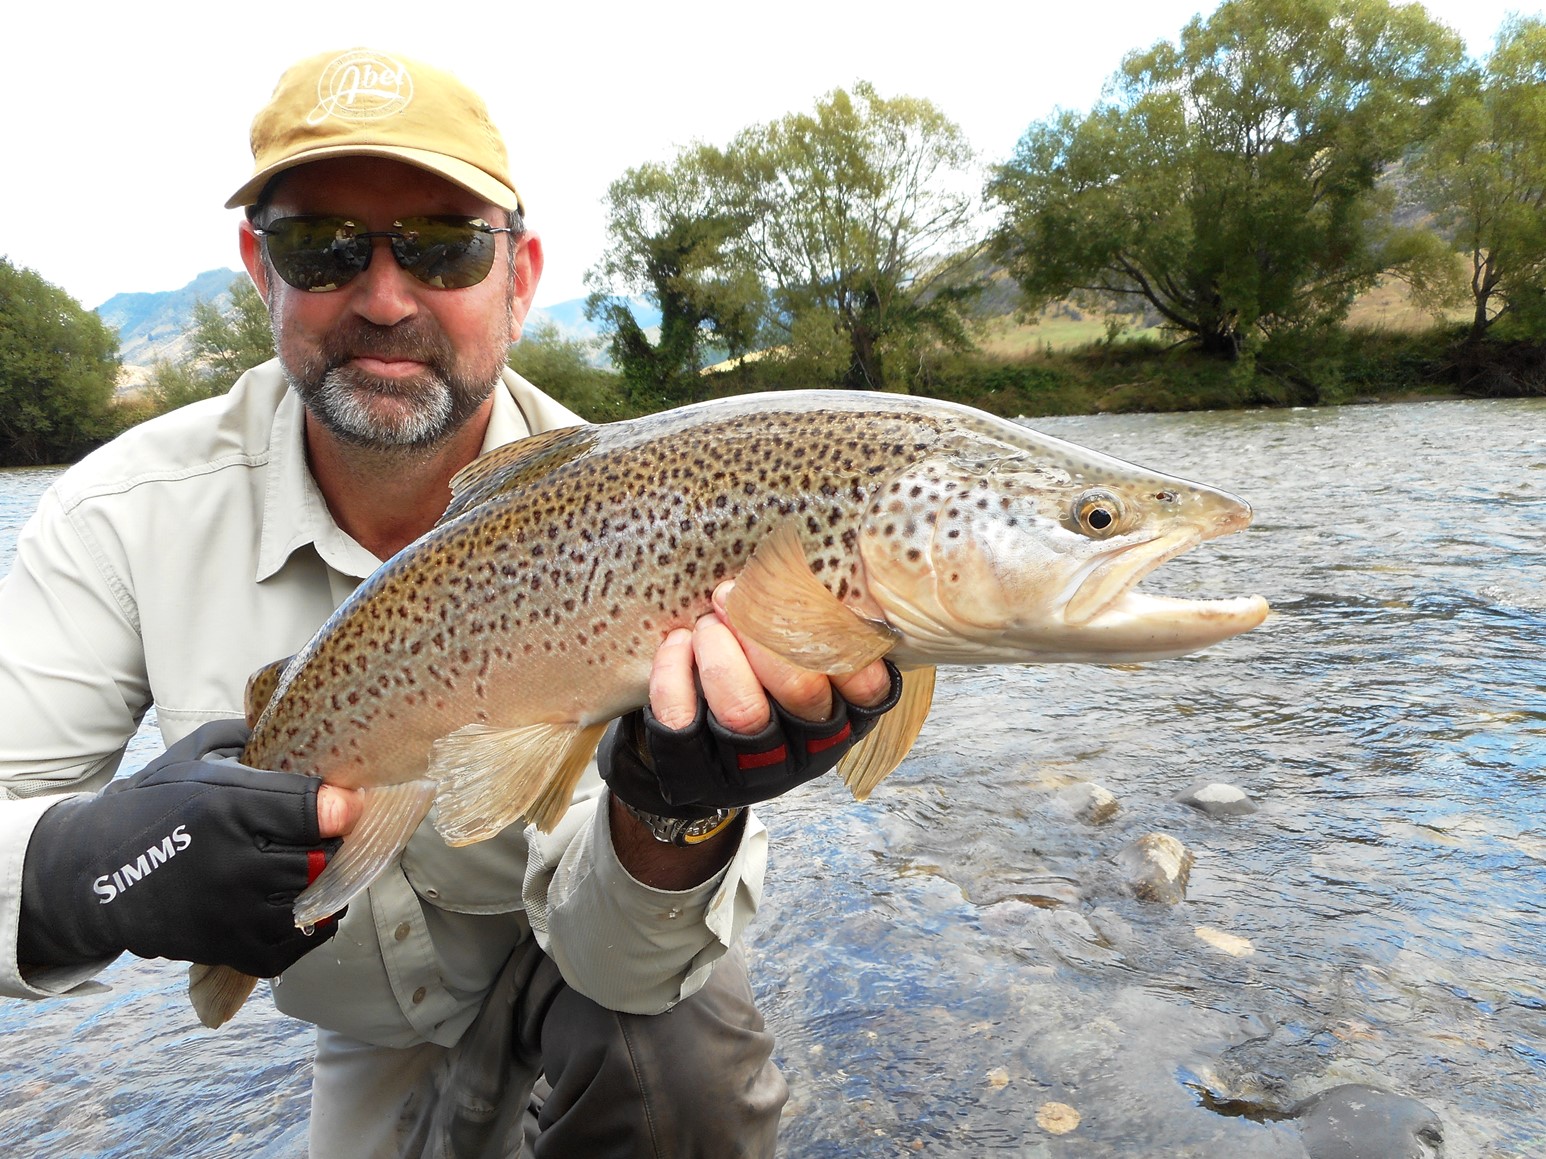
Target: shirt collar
[294,511]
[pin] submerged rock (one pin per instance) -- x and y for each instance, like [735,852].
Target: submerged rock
[1355,1121]
[1218,800]
[1156,867]
[1092,803]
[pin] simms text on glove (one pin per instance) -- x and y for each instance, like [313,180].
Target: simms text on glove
[195,857]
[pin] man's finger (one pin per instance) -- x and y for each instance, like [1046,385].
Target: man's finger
[338,810]
[799,691]
[732,689]
[673,689]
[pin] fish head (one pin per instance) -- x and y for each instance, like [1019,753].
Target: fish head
[1032,551]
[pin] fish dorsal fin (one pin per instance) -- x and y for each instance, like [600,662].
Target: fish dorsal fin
[514,465]
[490,778]
[872,760]
[778,602]
[260,689]
[217,992]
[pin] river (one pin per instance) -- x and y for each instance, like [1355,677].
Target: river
[944,961]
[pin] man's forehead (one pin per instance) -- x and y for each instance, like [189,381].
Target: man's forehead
[373,184]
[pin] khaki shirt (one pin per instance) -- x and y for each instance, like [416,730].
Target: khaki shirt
[164,569]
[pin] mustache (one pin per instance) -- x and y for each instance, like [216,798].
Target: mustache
[417,339]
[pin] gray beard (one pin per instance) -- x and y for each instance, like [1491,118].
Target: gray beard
[338,396]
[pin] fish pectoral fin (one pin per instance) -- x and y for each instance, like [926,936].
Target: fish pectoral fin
[217,992]
[260,689]
[489,778]
[778,602]
[391,813]
[871,761]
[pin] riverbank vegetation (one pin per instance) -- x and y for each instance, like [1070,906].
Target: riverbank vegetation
[1296,202]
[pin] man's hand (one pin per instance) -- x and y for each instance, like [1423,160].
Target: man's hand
[759,727]
[195,857]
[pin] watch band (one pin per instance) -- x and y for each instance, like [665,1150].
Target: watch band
[683,831]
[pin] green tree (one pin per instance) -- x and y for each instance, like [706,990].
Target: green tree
[672,233]
[838,236]
[1484,179]
[562,367]
[58,369]
[1230,180]
[222,344]
[863,224]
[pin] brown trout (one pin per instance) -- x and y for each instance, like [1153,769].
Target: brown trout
[477,668]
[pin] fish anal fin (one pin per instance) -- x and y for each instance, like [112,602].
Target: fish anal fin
[872,760]
[489,778]
[260,689]
[514,465]
[778,602]
[389,816]
[217,992]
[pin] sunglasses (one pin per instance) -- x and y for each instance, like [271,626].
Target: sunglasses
[317,254]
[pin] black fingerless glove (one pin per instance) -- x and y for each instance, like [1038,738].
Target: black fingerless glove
[195,857]
[696,771]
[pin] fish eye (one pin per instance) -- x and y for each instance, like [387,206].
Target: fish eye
[1098,513]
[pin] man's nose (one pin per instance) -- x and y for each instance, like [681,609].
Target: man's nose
[384,291]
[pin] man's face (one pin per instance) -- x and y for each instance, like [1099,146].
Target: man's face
[384,360]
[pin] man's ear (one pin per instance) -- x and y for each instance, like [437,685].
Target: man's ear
[528,272]
[251,246]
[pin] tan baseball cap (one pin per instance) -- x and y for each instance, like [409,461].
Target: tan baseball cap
[365,103]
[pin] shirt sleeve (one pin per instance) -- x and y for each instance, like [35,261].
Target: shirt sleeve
[623,944]
[72,692]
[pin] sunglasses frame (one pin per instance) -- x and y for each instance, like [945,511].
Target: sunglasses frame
[396,237]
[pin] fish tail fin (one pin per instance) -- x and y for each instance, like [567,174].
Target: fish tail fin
[391,814]
[489,778]
[217,992]
[872,760]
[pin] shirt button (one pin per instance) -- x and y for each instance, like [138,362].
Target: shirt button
[402,931]
[418,995]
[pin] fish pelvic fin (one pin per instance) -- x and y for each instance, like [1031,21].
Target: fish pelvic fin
[778,602]
[260,689]
[489,778]
[217,992]
[872,760]
[390,815]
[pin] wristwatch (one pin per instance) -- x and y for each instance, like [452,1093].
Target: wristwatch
[683,830]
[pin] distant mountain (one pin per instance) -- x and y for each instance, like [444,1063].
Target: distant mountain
[152,326]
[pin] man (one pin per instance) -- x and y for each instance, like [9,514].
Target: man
[386,236]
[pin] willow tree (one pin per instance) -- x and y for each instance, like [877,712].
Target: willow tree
[58,369]
[1229,180]
[674,235]
[863,221]
[834,236]
[1484,179]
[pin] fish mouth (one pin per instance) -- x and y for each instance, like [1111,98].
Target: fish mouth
[1105,600]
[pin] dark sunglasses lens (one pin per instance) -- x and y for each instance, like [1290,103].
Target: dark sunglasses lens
[316,253]
[448,253]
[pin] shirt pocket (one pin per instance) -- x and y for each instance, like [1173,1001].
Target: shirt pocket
[485,878]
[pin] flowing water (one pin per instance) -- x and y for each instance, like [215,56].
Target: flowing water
[947,959]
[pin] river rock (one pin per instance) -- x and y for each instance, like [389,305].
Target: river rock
[1156,867]
[1092,803]
[1355,1121]
[1218,800]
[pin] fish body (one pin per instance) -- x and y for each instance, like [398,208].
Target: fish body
[478,667]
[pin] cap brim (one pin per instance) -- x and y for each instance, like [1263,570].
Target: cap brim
[469,177]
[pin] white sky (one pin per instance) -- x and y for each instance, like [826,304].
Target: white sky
[123,125]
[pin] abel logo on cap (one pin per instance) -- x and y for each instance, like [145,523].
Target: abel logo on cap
[361,86]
